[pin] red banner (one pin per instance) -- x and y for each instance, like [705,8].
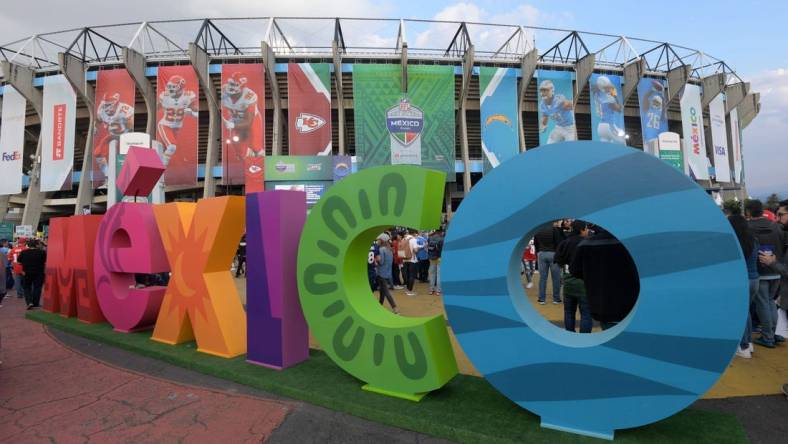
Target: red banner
[243,125]
[309,109]
[114,116]
[177,123]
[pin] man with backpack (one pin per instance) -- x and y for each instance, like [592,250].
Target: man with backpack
[434,250]
[408,247]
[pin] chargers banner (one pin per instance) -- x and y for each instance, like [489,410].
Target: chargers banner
[115,98]
[653,112]
[416,127]
[498,103]
[310,174]
[57,133]
[736,146]
[177,123]
[309,113]
[692,128]
[719,139]
[243,125]
[12,141]
[607,109]
[556,106]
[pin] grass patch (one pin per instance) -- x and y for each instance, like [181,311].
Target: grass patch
[468,409]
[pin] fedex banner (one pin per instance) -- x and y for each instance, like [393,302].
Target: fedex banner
[57,133]
[556,106]
[114,117]
[607,109]
[653,112]
[177,122]
[500,140]
[309,114]
[692,127]
[736,146]
[12,141]
[243,125]
[719,139]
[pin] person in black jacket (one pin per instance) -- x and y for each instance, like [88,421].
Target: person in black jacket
[610,277]
[574,289]
[546,241]
[33,261]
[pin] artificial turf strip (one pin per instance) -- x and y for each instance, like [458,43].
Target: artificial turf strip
[468,409]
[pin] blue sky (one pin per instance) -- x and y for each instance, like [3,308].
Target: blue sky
[750,36]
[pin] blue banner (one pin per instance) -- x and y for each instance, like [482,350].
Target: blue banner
[498,103]
[607,109]
[653,112]
[556,106]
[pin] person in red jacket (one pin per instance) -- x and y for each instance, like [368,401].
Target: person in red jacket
[529,263]
[13,255]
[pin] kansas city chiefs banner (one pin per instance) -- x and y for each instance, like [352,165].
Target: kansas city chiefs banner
[309,108]
[243,125]
[177,123]
[114,116]
[12,141]
[57,134]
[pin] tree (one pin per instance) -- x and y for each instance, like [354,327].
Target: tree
[773,201]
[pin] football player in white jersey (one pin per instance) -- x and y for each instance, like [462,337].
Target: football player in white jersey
[560,109]
[242,118]
[177,103]
[115,118]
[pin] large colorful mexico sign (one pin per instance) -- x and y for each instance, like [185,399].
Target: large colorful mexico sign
[308,274]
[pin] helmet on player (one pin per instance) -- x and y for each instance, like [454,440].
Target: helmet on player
[235,83]
[110,104]
[603,83]
[546,89]
[175,85]
[656,102]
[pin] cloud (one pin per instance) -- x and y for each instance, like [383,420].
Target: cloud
[764,149]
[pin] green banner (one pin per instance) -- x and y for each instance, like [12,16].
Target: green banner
[672,158]
[414,128]
[299,168]
[6,230]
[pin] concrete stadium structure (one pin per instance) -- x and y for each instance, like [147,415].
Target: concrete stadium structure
[275,41]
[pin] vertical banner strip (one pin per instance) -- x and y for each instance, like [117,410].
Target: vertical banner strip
[653,112]
[243,125]
[115,97]
[12,141]
[376,88]
[693,132]
[719,139]
[58,127]
[177,122]
[607,109]
[556,109]
[498,103]
[736,145]
[309,103]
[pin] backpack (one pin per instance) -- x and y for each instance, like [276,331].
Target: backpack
[435,247]
[404,251]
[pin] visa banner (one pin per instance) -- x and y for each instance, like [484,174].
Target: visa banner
[12,141]
[498,104]
[57,133]
[309,113]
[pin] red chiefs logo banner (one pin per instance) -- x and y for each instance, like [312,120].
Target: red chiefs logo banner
[243,125]
[309,102]
[114,116]
[177,123]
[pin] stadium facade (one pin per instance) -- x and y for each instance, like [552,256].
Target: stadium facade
[457,96]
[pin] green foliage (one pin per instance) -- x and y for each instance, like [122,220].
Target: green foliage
[772,202]
[732,206]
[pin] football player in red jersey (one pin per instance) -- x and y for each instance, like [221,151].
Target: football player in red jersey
[176,102]
[242,118]
[115,118]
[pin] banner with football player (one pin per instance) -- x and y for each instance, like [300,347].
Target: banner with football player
[653,112]
[693,132]
[414,128]
[57,134]
[556,106]
[498,106]
[243,125]
[177,123]
[115,97]
[719,138]
[607,109]
[309,108]
[736,145]
[12,141]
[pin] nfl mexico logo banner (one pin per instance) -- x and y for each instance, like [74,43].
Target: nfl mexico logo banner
[309,102]
[57,146]
[405,123]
